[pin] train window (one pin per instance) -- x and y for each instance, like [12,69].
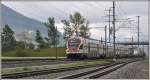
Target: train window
[73,43]
[81,46]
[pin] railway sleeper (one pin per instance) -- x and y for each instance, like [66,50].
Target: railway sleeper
[80,75]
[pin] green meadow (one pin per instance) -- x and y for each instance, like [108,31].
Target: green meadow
[48,52]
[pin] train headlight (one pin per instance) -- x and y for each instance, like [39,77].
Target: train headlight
[78,50]
[67,50]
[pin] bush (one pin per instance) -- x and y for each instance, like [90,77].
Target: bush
[47,52]
[20,44]
[26,69]
[21,52]
[31,46]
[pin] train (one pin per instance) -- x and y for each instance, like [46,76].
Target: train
[83,48]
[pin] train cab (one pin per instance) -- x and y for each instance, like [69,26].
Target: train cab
[73,47]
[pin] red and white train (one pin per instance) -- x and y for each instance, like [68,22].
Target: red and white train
[79,47]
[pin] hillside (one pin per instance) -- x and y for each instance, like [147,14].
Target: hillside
[20,23]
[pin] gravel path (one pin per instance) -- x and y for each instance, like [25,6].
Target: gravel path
[136,70]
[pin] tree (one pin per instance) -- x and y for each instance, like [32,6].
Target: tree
[76,21]
[20,52]
[39,40]
[52,32]
[31,45]
[84,30]
[26,38]
[77,24]
[20,44]
[67,28]
[8,39]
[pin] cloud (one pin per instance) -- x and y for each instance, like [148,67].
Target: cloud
[91,10]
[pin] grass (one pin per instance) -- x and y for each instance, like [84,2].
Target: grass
[49,52]
[33,68]
[146,61]
[92,62]
[16,70]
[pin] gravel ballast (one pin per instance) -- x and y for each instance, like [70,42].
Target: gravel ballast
[135,70]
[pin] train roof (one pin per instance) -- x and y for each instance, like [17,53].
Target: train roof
[95,40]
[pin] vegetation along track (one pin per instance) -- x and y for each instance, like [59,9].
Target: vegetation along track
[42,72]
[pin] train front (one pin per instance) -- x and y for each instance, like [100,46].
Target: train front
[73,45]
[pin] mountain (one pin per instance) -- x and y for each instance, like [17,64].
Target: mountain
[20,23]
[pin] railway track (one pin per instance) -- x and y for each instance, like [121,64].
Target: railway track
[42,72]
[92,74]
[34,62]
[12,63]
[95,73]
[15,61]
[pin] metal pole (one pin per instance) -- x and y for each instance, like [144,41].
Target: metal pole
[103,45]
[148,51]
[114,28]
[138,30]
[143,52]
[56,42]
[109,23]
[132,46]
[105,39]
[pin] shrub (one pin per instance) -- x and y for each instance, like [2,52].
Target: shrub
[21,52]
[31,46]
[26,69]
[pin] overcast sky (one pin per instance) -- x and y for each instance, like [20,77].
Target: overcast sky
[92,11]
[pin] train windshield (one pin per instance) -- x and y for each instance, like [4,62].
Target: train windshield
[73,43]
